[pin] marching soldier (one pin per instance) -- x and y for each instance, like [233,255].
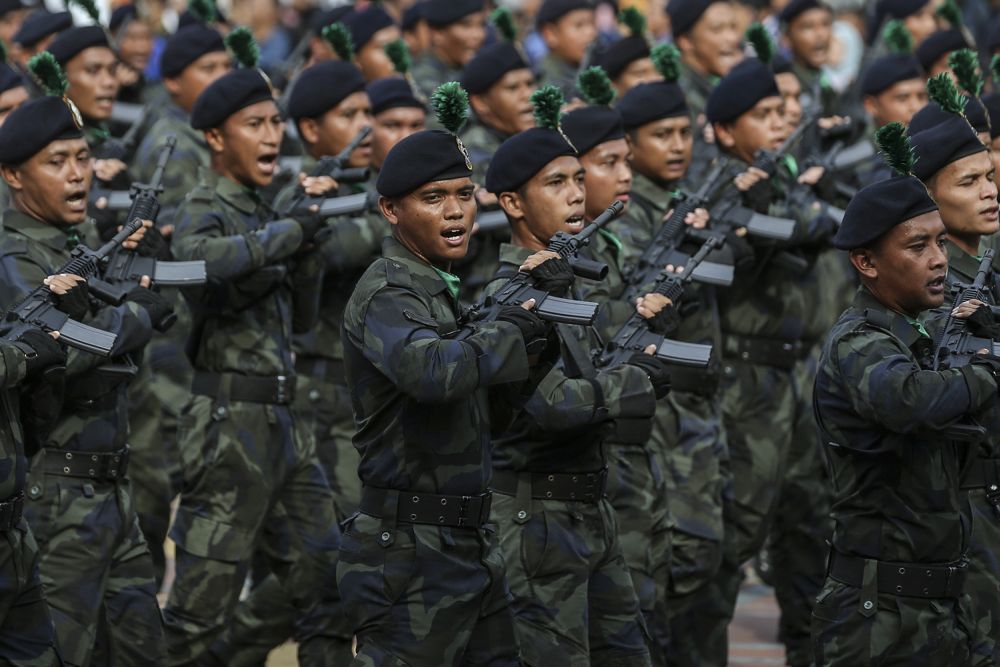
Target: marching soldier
[396,114]
[371,29]
[568,29]
[457,32]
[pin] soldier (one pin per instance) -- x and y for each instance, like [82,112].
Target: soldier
[808,27]
[418,385]
[933,52]
[13,93]
[37,32]
[627,60]
[568,29]
[242,451]
[456,34]
[134,41]
[917,15]
[371,29]
[414,28]
[12,15]
[396,114]
[95,566]
[26,634]
[894,588]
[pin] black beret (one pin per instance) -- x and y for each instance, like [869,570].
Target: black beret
[588,127]
[320,20]
[187,18]
[33,126]
[122,14]
[10,6]
[442,13]
[652,101]
[879,207]
[227,95]
[553,10]
[893,9]
[685,13]
[746,84]
[489,65]
[792,10]
[944,143]
[618,55]
[391,93]
[932,114]
[522,156]
[322,87]
[992,102]
[40,25]
[364,24]
[187,45]
[9,78]
[937,44]
[889,70]
[781,65]
[69,43]
[413,15]
[422,157]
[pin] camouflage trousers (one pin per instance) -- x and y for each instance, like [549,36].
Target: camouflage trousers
[573,598]
[95,569]
[240,461]
[895,631]
[27,638]
[689,433]
[983,585]
[425,595]
[637,491]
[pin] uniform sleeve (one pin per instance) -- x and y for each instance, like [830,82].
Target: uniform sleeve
[200,234]
[400,339]
[562,403]
[352,243]
[179,178]
[812,225]
[13,365]
[886,386]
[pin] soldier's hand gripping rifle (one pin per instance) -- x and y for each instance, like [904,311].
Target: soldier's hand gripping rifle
[334,166]
[522,287]
[125,268]
[635,335]
[38,308]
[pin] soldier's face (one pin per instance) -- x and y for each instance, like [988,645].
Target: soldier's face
[967,196]
[330,133]
[136,45]
[712,46]
[552,201]
[906,268]
[607,175]
[196,77]
[245,148]
[10,100]
[762,127]
[53,184]
[809,35]
[661,150]
[391,127]
[995,156]
[455,44]
[638,71]
[435,220]
[92,82]
[570,36]
[791,90]
[10,23]
[372,60]
[898,103]
[506,106]
[922,23]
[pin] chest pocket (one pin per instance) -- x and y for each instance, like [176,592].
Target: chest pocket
[445,326]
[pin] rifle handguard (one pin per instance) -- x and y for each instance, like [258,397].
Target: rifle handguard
[588,268]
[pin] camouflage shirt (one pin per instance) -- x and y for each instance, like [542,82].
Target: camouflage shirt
[419,380]
[482,142]
[245,314]
[95,413]
[895,477]
[13,464]
[557,72]
[429,72]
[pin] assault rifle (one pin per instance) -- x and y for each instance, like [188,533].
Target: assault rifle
[521,287]
[119,149]
[635,335]
[38,308]
[335,167]
[125,268]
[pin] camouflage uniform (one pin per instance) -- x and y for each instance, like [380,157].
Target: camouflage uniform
[159,394]
[553,70]
[95,566]
[417,593]
[27,638]
[696,89]
[689,435]
[816,90]
[574,601]
[897,504]
[241,449]
[429,72]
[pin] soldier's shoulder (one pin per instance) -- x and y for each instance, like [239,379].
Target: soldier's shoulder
[13,242]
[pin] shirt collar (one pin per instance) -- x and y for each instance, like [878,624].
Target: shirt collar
[961,265]
[35,229]
[433,280]
[650,192]
[240,197]
[902,326]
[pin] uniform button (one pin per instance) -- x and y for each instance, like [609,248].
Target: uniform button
[868,604]
[314,395]
[220,412]
[385,536]
[35,490]
[521,514]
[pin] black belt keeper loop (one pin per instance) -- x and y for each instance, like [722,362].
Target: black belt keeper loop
[522,501]
[390,508]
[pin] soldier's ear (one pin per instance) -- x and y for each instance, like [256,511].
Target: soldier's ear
[512,205]
[864,263]
[215,140]
[871,105]
[12,175]
[724,135]
[308,129]
[389,209]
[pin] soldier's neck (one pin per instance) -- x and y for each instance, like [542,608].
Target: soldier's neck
[521,236]
[967,243]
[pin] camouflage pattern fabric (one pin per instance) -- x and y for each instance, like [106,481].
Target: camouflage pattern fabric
[27,637]
[429,72]
[553,70]
[482,142]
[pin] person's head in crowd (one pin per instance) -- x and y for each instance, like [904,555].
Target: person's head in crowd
[791,91]
[707,32]
[627,61]
[396,114]
[808,29]
[933,52]
[892,86]
[36,33]
[91,70]
[746,108]
[13,92]
[500,81]
[567,28]
[371,30]
[12,15]
[193,57]
[415,29]
[457,29]
[133,36]
[319,47]
[917,15]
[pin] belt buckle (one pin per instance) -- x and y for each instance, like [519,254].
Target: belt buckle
[463,511]
[281,393]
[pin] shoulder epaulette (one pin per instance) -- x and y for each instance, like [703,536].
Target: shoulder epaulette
[13,244]
[878,319]
[202,194]
[397,274]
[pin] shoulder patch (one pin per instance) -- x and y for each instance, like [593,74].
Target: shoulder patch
[397,274]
